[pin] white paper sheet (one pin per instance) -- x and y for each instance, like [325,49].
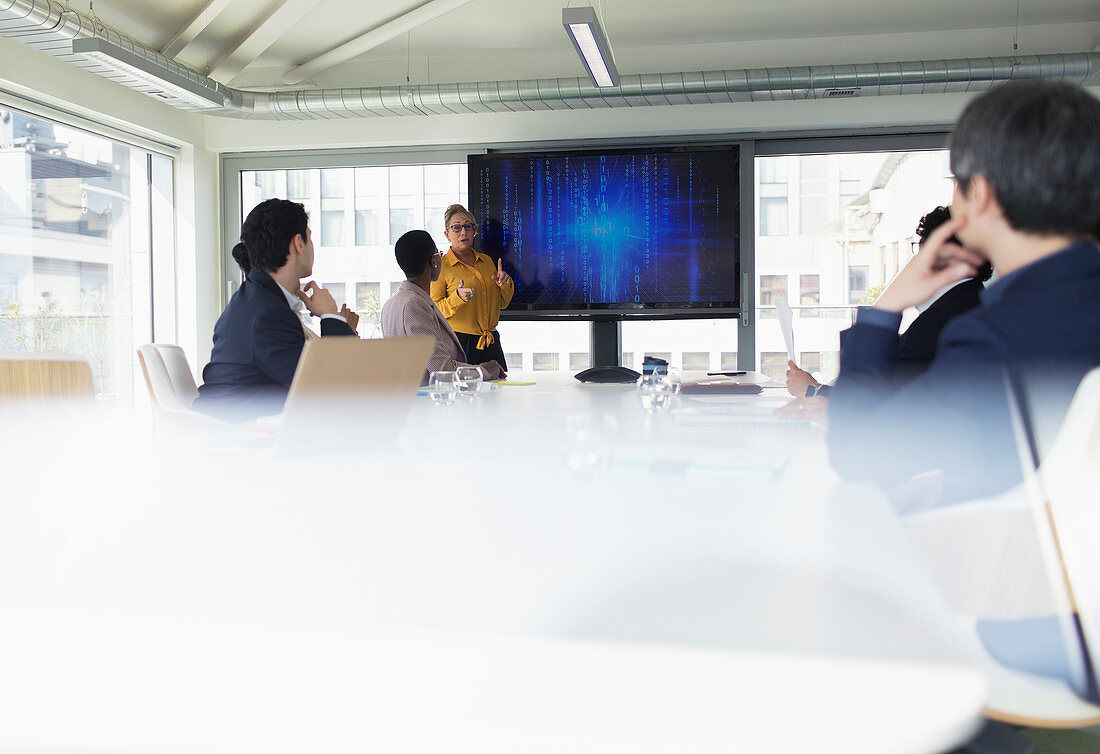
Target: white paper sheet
[787,326]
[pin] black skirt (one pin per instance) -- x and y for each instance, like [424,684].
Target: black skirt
[475,355]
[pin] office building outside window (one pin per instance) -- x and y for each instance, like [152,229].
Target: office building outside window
[772,288]
[380,204]
[696,361]
[809,293]
[544,362]
[81,219]
[872,202]
[857,283]
[772,191]
[338,291]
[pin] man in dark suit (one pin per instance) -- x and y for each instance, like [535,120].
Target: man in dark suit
[917,345]
[1025,155]
[260,335]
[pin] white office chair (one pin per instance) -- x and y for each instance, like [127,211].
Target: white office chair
[172,388]
[1031,553]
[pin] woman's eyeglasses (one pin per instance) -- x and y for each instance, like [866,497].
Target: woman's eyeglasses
[456,228]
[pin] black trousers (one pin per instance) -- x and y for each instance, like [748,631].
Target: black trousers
[475,355]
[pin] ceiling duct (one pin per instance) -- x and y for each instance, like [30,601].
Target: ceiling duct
[48,26]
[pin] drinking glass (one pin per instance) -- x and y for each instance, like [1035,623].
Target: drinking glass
[443,388]
[468,379]
[655,391]
[672,374]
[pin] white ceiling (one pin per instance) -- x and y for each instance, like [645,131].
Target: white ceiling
[255,43]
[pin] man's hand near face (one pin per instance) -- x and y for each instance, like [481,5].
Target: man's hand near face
[317,300]
[939,263]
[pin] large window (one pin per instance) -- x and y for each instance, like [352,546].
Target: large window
[81,219]
[831,228]
[357,213]
[772,190]
[858,212]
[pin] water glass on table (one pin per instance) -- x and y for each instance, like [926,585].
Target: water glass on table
[655,391]
[468,379]
[672,374]
[443,388]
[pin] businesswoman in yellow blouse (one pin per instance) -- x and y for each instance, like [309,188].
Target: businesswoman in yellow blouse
[471,290]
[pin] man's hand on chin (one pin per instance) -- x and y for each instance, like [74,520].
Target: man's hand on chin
[938,264]
[317,299]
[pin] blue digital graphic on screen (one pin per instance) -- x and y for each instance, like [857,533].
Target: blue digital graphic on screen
[591,230]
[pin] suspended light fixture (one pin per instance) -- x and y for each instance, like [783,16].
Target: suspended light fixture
[587,36]
[147,77]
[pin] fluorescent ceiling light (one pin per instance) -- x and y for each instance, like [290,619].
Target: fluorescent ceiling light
[147,77]
[588,38]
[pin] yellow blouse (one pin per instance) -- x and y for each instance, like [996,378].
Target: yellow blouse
[480,315]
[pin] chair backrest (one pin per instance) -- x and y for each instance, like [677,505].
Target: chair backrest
[45,375]
[1070,477]
[1029,557]
[341,378]
[168,376]
[355,367]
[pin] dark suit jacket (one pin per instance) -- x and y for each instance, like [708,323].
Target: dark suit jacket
[1037,330]
[917,345]
[257,343]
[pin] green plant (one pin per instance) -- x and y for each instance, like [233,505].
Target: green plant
[871,295]
[370,310]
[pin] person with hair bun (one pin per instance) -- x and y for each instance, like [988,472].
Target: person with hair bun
[472,289]
[240,256]
[260,335]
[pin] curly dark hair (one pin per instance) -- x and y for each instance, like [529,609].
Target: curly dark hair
[934,219]
[268,231]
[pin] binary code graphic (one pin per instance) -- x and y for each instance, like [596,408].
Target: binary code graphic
[634,228]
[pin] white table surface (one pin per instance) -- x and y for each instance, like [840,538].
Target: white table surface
[463,589]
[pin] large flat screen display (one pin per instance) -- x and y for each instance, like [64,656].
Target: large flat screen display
[616,231]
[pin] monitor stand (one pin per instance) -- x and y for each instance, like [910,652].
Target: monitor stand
[606,342]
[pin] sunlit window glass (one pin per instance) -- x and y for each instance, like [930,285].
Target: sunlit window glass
[77,240]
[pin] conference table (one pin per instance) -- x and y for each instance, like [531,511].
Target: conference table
[541,568]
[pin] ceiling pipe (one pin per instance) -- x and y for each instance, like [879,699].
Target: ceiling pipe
[429,11]
[48,26]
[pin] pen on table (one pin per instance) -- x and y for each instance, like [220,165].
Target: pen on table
[726,374]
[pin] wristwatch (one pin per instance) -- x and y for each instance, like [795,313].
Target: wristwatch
[811,390]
